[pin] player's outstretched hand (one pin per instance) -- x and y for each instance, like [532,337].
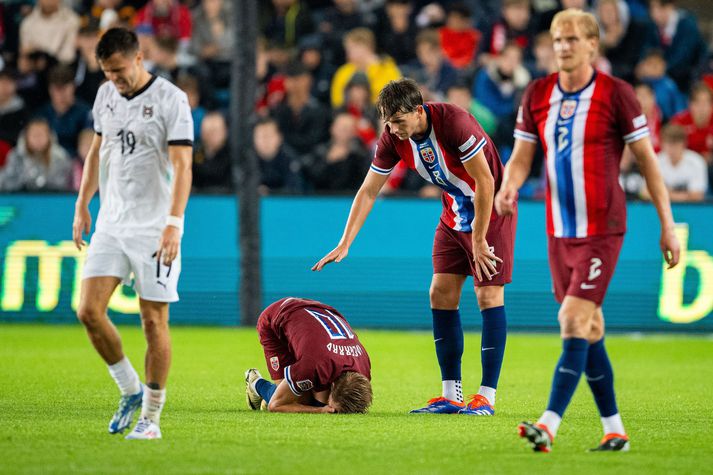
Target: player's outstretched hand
[505,201]
[335,255]
[168,245]
[485,260]
[670,247]
[82,224]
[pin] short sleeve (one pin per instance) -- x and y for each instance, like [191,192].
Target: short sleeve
[629,116]
[465,133]
[385,155]
[179,121]
[96,112]
[525,127]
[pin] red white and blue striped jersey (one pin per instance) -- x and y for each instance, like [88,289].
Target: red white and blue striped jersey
[453,137]
[583,135]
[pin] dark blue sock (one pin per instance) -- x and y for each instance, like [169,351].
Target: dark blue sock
[601,379]
[265,389]
[492,347]
[448,335]
[567,373]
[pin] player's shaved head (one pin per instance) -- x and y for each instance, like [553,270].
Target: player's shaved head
[117,40]
[351,393]
[402,95]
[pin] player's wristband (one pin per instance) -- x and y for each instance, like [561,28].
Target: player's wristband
[175,221]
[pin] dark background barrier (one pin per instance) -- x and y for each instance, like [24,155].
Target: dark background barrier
[383,282]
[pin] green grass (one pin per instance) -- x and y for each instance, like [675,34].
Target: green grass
[56,398]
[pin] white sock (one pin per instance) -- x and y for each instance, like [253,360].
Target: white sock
[551,420]
[453,390]
[126,377]
[613,425]
[153,403]
[489,394]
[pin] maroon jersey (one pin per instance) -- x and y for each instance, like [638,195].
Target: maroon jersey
[583,134]
[310,344]
[453,137]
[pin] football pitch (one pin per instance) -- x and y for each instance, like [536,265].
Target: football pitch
[56,399]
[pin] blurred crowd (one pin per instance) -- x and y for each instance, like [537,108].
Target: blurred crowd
[320,66]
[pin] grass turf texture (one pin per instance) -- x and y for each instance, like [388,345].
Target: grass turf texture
[56,399]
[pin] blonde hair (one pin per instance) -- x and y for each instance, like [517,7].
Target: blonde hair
[363,36]
[352,393]
[586,21]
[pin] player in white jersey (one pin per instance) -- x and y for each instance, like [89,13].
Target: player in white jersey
[140,160]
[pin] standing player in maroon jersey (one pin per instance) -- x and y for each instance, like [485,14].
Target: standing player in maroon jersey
[315,359]
[583,118]
[448,148]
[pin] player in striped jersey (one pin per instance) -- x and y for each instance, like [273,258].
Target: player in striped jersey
[583,119]
[448,148]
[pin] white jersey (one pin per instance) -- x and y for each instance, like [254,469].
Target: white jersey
[135,173]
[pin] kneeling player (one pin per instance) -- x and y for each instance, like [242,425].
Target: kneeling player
[315,359]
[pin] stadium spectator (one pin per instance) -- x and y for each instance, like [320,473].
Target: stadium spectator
[652,70]
[647,98]
[697,121]
[164,57]
[211,159]
[459,39]
[189,84]
[514,25]
[83,143]
[279,164]
[104,14]
[432,71]
[13,114]
[339,19]
[681,41]
[357,103]
[340,164]
[624,39]
[498,85]
[66,114]
[88,75]
[546,17]
[460,95]
[37,163]
[166,18]
[213,33]
[396,32]
[286,21]
[33,69]
[683,170]
[303,121]
[50,28]
[542,49]
[360,46]
[311,56]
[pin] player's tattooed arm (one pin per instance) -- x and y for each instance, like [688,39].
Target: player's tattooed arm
[484,259]
[648,164]
[82,223]
[284,400]
[361,207]
[516,172]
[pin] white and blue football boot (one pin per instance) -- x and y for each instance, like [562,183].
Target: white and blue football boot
[125,412]
[440,405]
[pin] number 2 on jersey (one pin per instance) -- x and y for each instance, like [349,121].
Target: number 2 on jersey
[128,141]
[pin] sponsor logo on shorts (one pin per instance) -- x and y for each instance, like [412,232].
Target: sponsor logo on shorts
[585,286]
[305,385]
[275,363]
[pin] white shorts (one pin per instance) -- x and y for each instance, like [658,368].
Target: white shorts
[111,256]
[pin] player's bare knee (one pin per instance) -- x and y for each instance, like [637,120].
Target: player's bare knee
[443,297]
[273,406]
[89,316]
[574,325]
[489,297]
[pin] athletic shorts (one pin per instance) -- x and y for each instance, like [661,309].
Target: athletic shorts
[132,260]
[277,353]
[453,250]
[583,267]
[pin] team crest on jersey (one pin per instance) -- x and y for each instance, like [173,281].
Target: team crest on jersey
[568,108]
[304,385]
[428,155]
[275,363]
[148,112]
